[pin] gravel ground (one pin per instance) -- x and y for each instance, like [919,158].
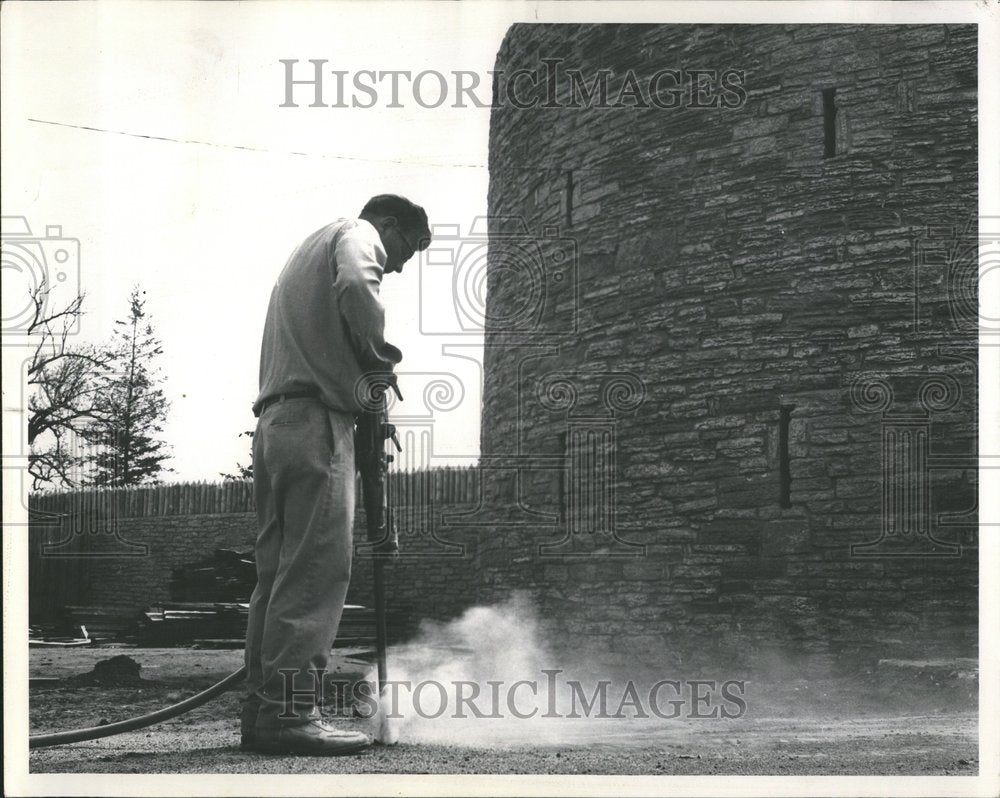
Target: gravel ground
[808,729]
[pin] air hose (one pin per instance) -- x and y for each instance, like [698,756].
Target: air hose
[110,729]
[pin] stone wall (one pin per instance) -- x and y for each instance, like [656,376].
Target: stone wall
[118,549]
[731,367]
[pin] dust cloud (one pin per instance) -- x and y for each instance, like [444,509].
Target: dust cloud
[490,678]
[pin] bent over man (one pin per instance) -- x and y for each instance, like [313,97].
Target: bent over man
[324,331]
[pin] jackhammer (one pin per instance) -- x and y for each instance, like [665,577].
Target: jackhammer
[372,461]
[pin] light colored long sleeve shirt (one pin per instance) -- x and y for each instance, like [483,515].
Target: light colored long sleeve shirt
[325,322]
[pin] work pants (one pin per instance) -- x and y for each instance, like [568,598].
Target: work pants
[304,489]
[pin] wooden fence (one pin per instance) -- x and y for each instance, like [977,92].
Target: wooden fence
[446,485]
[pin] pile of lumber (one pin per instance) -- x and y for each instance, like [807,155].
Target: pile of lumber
[209,607]
[106,623]
[190,622]
[222,624]
[227,576]
[57,636]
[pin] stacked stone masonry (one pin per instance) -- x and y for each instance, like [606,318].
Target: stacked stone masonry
[730,277]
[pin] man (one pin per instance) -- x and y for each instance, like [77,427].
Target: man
[324,331]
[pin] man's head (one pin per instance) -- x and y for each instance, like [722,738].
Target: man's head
[402,226]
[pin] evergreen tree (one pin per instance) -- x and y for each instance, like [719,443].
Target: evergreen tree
[127,443]
[242,471]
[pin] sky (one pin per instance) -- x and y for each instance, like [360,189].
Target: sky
[215,185]
[154,134]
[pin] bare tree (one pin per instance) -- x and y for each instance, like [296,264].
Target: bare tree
[62,378]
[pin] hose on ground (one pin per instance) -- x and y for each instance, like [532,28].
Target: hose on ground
[109,729]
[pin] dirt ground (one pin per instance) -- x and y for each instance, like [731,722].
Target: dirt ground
[803,727]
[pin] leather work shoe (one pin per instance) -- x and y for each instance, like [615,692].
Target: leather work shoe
[315,738]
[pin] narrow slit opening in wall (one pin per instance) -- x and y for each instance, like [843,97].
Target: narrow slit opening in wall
[829,123]
[784,461]
[563,487]
[569,198]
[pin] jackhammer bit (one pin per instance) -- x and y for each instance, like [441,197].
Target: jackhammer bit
[373,462]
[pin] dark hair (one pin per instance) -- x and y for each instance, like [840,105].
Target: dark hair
[410,216]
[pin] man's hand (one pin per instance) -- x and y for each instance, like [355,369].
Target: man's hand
[372,388]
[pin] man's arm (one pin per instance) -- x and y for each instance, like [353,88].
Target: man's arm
[356,288]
